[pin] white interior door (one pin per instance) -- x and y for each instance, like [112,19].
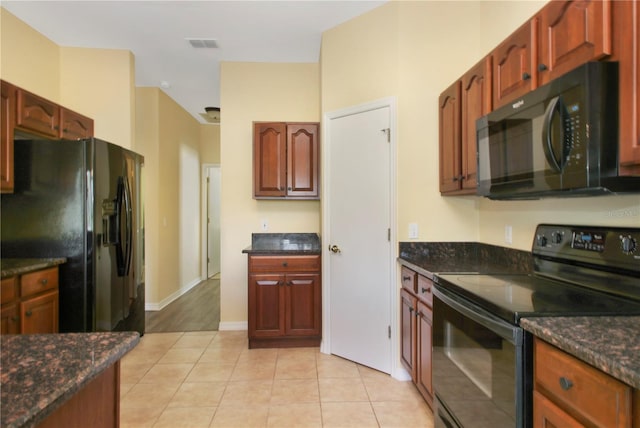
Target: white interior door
[213,228]
[359,220]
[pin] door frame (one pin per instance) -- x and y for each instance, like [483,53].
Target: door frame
[397,371]
[204,206]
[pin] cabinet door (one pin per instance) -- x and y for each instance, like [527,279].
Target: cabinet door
[74,126]
[266,305]
[513,74]
[424,350]
[8,114]
[9,319]
[548,415]
[302,160]
[570,34]
[626,18]
[407,334]
[302,296]
[476,102]
[269,159]
[37,114]
[40,314]
[449,118]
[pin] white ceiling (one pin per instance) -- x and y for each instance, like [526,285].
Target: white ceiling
[155,31]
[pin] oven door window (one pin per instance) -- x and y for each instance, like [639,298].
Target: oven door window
[474,370]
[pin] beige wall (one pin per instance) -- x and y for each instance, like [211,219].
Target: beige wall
[27,58]
[169,139]
[257,92]
[210,144]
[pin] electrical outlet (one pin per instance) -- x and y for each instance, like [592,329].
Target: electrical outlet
[264,225]
[413,230]
[508,234]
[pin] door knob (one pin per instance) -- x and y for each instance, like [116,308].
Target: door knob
[334,249]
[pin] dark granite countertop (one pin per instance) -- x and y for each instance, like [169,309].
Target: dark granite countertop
[284,243]
[611,344]
[11,267]
[428,258]
[40,372]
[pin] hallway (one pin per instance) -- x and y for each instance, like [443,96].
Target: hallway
[196,310]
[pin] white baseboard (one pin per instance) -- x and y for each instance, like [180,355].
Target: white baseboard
[164,302]
[233,325]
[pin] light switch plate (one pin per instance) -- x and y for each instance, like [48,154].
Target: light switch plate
[413,230]
[264,225]
[508,234]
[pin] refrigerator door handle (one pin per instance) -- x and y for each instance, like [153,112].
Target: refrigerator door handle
[128,226]
[120,257]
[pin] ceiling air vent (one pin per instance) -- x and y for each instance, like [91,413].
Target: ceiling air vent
[203,43]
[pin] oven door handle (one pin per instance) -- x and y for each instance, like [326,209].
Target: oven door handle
[511,333]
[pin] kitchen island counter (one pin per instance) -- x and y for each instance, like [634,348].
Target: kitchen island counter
[11,267]
[42,372]
[610,344]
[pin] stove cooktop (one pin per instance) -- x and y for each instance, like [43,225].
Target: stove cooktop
[512,297]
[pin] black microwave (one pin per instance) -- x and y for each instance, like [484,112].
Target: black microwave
[558,140]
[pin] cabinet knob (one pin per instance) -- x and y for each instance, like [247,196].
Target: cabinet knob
[44,281]
[542,67]
[289,188]
[15,319]
[418,314]
[526,76]
[285,264]
[28,313]
[565,383]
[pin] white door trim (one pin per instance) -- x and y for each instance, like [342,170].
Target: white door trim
[397,371]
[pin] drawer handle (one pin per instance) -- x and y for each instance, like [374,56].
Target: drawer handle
[406,278]
[44,281]
[426,290]
[285,264]
[565,383]
[28,313]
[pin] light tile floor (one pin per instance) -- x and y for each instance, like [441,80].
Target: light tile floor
[212,379]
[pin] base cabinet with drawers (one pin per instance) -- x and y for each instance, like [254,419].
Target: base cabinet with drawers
[284,301]
[30,303]
[416,308]
[571,393]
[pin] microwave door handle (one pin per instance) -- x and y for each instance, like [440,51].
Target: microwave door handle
[552,108]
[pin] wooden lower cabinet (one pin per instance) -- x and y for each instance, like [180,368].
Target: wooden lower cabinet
[30,303]
[570,393]
[96,405]
[416,334]
[284,301]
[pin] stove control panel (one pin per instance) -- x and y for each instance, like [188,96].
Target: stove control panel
[608,246]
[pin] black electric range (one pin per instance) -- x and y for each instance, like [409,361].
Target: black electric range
[577,271]
[482,366]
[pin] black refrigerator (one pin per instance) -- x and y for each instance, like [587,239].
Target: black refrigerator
[81,200]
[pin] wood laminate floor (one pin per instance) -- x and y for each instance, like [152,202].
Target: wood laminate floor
[196,310]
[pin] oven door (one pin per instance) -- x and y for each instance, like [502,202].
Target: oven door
[482,371]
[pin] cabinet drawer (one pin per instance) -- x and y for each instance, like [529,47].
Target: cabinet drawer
[8,290]
[35,282]
[408,279]
[284,264]
[425,290]
[581,390]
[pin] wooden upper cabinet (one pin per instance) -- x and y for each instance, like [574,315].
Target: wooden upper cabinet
[513,73]
[8,118]
[74,126]
[476,102]
[37,114]
[570,34]
[302,160]
[449,132]
[285,160]
[626,48]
